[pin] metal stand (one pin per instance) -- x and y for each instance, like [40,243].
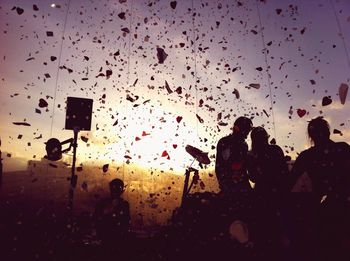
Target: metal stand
[74,178]
[187,188]
[0,169]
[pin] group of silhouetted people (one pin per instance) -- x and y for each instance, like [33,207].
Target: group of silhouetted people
[326,163]
[281,224]
[312,225]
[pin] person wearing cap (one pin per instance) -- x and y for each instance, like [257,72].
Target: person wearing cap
[231,154]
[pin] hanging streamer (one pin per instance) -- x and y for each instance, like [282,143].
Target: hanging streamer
[58,67]
[195,63]
[340,32]
[128,68]
[267,69]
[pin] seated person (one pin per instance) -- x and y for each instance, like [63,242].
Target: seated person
[112,215]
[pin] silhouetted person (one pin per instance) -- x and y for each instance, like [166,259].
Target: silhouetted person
[327,164]
[267,168]
[231,154]
[266,164]
[112,215]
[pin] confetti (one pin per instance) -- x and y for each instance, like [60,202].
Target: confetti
[326,100]
[173,4]
[343,91]
[43,103]
[21,123]
[161,55]
[301,112]
[105,168]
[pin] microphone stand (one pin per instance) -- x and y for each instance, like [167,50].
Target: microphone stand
[74,178]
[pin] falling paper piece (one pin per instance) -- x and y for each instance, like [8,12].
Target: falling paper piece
[278,11]
[145,134]
[125,30]
[168,88]
[19,10]
[161,55]
[343,91]
[236,92]
[178,90]
[108,73]
[35,8]
[255,85]
[326,100]
[199,119]
[178,119]
[336,131]
[121,15]
[21,123]
[43,103]
[173,4]
[105,168]
[49,34]
[55,6]
[165,154]
[301,112]
[266,113]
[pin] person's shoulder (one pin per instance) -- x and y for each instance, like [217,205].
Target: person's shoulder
[306,154]
[225,139]
[342,145]
[276,149]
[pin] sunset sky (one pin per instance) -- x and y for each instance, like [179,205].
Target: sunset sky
[146,112]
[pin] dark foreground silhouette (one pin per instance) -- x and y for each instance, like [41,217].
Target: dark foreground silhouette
[266,223]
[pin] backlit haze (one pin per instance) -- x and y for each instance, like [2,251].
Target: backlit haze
[146,112]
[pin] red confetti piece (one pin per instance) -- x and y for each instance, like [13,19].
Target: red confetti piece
[301,112]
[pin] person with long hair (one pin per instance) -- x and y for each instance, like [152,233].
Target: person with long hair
[327,164]
[266,163]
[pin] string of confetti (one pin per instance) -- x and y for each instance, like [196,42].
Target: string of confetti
[128,68]
[195,65]
[58,67]
[340,32]
[267,69]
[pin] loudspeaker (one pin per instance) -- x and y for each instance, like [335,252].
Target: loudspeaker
[78,113]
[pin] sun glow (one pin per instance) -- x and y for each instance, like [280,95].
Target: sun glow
[152,141]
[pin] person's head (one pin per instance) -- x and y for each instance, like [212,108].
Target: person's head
[116,187]
[318,130]
[259,137]
[242,126]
